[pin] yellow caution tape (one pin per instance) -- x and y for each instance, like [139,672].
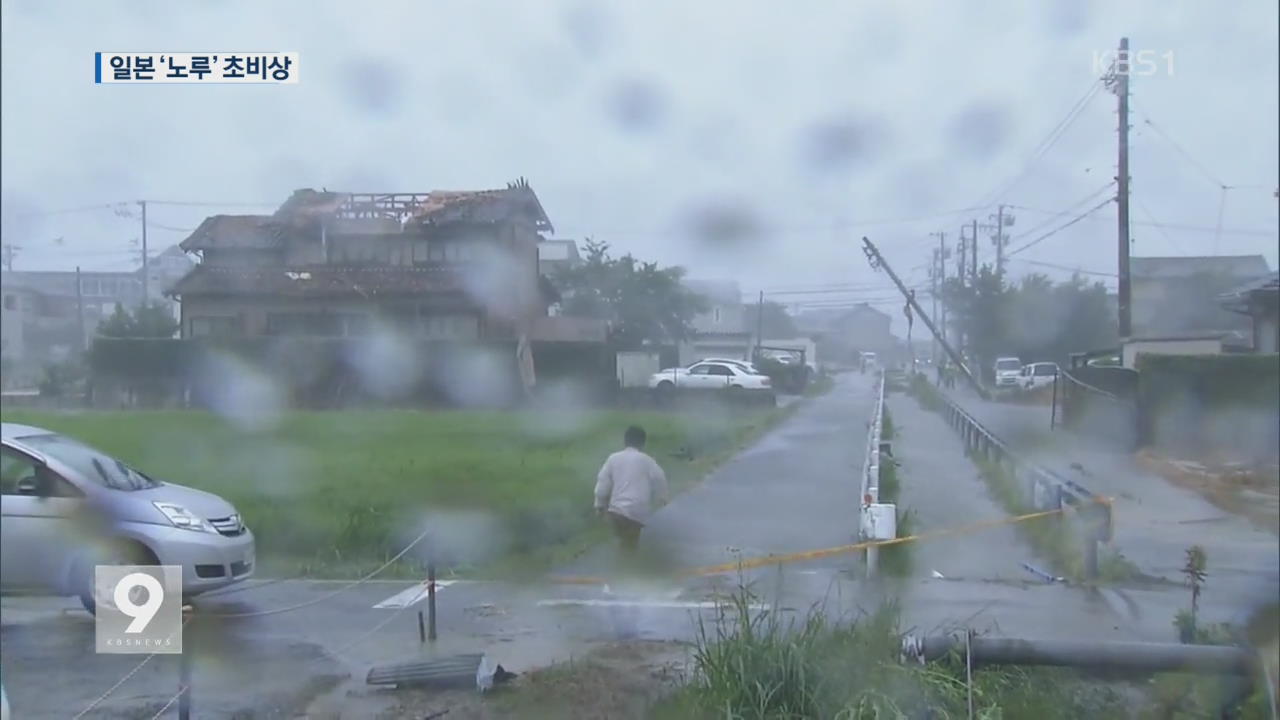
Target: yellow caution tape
[780,559]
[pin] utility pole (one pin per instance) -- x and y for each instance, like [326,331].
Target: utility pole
[146,272]
[9,252]
[759,323]
[877,262]
[998,239]
[80,309]
[1119,82]
[933,297]
[973,273]
[962,249]
[943,254]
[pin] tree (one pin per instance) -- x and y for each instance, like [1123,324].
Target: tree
[643,303]
[149,320]
[777,321]
[1035,320]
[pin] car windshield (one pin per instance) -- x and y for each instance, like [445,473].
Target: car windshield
[1008,365]
[90,463]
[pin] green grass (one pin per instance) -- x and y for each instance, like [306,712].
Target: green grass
[756,664]
[337,492]
[887,429]
[895,560]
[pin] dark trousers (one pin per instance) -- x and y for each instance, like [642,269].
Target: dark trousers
[627,530]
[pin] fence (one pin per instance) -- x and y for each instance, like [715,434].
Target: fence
[868,518]
[1040,488]
[1098,402]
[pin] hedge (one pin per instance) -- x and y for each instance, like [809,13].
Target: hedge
[1208,405]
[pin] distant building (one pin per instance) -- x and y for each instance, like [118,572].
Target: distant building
[1258,300]
[554,255]
[720,330]
[846,332]
[47,319]
[1179,296]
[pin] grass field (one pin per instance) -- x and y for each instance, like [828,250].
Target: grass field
[337,492]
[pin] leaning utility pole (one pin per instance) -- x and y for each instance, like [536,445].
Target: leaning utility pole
[1119,83]
[877,261]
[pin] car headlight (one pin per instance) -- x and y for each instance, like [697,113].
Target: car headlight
[182,517]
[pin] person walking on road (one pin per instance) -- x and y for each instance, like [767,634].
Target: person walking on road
[629,487]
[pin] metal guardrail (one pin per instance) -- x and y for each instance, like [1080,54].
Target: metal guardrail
[1047,489]
[871,473]
[871,462]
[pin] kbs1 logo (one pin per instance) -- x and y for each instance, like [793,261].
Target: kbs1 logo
[138,609]
[1134,63]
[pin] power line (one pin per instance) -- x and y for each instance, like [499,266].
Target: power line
[1143,208]
[1069,209]
[124,206]
[1260,232]
[1082,271]
[1048,142]
[1186,155]
[1062,227]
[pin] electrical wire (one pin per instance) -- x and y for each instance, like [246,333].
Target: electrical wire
[1056,266]
[1181,150]
[1060,228]
[1067,210]
[1259,232]
[1047,143]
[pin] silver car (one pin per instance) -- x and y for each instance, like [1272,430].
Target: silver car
[66,507]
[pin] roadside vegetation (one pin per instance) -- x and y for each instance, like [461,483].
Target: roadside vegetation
[333,493]
[1053,538]
[895,560]
[758,664]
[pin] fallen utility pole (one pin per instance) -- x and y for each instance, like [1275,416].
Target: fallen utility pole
[1094,656]
[877,262]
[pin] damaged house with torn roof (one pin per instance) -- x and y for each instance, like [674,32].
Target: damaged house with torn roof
[430,269]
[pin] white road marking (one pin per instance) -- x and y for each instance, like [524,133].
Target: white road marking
[673,604]
[411,596]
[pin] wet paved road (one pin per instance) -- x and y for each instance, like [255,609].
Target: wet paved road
[795,489]
[1155,521]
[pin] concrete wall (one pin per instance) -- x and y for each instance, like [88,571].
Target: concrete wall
[1200,346]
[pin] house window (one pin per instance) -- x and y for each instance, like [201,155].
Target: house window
[437,252]
[420,249]
[216,326]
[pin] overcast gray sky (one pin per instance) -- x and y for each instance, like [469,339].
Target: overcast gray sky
[744,140]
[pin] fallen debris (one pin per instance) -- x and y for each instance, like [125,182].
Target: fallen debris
[1048,578]
[452,672]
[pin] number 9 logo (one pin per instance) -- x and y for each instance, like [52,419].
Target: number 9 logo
[124,599]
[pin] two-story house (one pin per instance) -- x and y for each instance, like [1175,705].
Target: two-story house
[720,330]
[443,265]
